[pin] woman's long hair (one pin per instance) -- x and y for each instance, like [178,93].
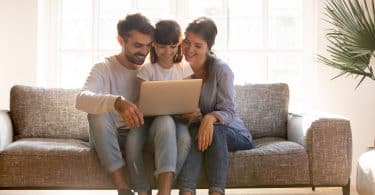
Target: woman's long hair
[206,28]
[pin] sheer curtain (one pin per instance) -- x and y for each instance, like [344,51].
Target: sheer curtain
[263,41]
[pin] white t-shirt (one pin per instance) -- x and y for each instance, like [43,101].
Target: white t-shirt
[154,72]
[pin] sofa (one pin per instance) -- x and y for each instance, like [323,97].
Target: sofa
[44,143]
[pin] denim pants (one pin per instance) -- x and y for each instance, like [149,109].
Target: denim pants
[107,140]
[215,159]
[169,138]
[171,142]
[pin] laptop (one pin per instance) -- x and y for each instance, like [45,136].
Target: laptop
[169,97]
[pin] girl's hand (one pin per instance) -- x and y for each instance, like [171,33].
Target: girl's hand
[191,117]
[205,132]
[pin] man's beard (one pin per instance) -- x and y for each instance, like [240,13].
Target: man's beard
[135,58]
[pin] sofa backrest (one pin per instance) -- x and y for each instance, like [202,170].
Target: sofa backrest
[42,112]
[50,112]
[263,108]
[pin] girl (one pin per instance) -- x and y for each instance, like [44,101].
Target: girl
[169,137]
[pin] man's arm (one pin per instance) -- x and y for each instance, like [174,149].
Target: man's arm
[95,103]
[94,97]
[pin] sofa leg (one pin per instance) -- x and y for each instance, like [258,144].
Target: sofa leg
[313,188]
[346,188]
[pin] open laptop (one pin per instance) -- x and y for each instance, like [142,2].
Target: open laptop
[169,97]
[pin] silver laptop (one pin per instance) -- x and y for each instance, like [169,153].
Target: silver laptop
[169,97]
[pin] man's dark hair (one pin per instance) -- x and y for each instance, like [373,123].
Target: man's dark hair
[136,22]
[167,32]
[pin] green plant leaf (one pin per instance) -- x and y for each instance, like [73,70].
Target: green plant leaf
[351,38]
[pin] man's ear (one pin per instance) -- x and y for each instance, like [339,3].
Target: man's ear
[120,40]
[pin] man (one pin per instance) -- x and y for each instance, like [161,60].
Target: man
[108,93]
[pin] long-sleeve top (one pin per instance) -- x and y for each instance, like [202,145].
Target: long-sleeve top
[217,96]
[106,82]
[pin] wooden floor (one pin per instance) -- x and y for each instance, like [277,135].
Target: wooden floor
[258,191]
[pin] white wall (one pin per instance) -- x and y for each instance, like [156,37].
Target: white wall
[18,45]
[340,96]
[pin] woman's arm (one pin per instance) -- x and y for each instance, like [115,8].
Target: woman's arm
[205,132]
[225,108]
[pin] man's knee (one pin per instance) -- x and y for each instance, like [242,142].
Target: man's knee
[99,121]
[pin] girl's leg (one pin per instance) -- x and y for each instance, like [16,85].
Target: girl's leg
[163,138]
[183,144]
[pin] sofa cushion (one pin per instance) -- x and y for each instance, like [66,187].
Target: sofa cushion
[46,162]
[263,108]
[273,161]
[50,113]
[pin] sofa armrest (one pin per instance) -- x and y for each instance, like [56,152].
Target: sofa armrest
[6,129]
[328,141]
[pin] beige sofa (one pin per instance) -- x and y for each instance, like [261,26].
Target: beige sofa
[44,143]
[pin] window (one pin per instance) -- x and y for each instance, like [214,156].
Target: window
[262,40]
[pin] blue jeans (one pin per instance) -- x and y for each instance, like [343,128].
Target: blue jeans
[215,159]
[170,140]
[107,140]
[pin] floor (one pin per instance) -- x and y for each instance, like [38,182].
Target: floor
[258,191]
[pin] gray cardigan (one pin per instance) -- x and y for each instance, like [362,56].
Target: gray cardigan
[217,96]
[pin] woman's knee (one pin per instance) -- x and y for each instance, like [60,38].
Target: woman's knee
[219,133]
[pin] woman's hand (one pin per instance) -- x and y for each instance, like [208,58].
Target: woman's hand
[205,132]
[191,117]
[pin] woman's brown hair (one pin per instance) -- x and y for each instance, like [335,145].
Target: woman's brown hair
[206,28]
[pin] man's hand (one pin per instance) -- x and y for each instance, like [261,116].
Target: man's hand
[191,117]
[129,112]
[205,132]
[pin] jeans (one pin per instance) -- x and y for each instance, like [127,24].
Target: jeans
[171,142]
[107,140]
[215,159]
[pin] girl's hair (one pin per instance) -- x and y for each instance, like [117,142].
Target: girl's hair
[206,28]
[167,32]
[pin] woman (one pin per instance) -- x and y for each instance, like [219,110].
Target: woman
[220,130]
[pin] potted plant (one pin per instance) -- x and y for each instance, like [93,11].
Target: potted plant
[352,38]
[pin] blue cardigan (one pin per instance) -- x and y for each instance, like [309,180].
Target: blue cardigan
[217,97]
